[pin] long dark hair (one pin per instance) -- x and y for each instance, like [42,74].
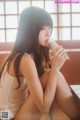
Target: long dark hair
[31,21]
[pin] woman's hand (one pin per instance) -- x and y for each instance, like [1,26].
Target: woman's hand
[59,58]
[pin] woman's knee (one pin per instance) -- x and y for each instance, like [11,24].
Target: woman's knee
[44,79]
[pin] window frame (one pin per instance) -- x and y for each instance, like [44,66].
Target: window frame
[56,13]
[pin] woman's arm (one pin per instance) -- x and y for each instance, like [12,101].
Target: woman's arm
[42,100]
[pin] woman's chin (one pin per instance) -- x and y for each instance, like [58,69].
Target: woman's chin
[46,45]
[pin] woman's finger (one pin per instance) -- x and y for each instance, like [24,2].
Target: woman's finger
[59,50]
[65,56]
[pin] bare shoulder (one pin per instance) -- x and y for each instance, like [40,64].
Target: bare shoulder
[26,58]
[27,64]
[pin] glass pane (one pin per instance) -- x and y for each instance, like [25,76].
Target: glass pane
[1,8]
[11,35]
[11,22]
[11,7]
[64,8]
[54,18]
[54,34]
[38,4]
[76,19]
[19,17]
[64,20]
[1,21]
[75,7]
[2,36]
[23,5]
[64,34]
[50,7]
[76,33]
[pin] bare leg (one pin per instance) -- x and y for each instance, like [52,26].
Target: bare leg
[64,97]
[29,111]
[66,100]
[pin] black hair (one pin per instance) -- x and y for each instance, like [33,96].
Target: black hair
[31,21]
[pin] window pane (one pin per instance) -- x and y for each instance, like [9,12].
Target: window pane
[11,35]
[1,8]
[54,34]
[64,20]
[11,22]
[76,8]
[11,7]
[38,4]
[2,36]
[64,8]
[50,7]
[23,5]
[76,19]
[1,21]
[54,18]
[76,33]
[64,33]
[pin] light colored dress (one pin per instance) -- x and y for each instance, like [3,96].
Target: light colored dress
[11,99]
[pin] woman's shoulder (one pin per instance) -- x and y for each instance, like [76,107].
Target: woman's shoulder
[27,57]
[26,62]
[27,67]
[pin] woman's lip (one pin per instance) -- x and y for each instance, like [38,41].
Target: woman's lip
[47,40]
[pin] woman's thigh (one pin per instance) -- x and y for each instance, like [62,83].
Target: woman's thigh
[29,111]
[65,98]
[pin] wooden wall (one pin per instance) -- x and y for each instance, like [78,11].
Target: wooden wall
[71,68]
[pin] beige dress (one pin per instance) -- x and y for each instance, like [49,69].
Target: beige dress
[11,99]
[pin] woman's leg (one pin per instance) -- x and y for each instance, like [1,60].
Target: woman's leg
[29,111]
[66,100]
[63,97]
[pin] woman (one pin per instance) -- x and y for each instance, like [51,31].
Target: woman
[31,89]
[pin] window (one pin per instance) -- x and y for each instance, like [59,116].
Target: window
[65,17]
[69,25]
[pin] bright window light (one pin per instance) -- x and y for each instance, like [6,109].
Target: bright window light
[2,36]
[11,22]
[11,7]
[11,35]
[39,4]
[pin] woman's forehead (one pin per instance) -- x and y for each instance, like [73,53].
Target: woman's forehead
[47,26]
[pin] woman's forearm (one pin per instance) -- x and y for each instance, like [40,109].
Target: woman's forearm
[50,89]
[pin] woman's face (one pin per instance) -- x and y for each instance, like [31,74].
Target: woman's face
[44,35]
